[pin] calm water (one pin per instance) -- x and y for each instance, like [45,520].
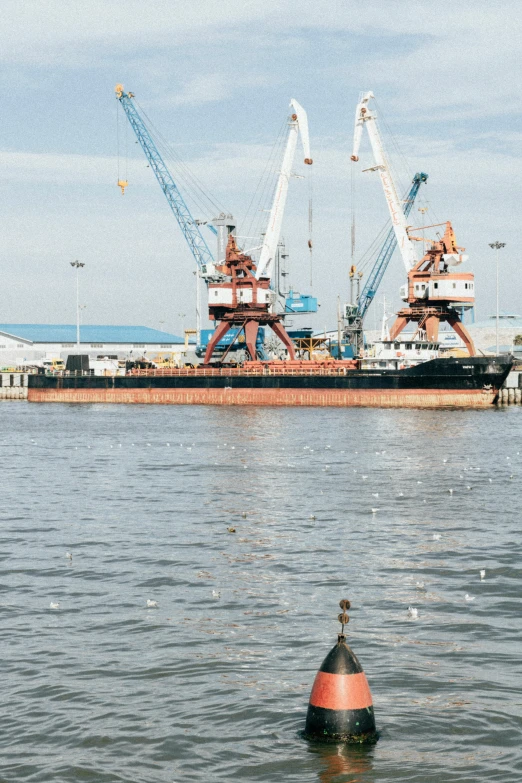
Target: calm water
[215,688]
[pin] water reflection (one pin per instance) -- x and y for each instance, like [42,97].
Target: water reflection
[341,762]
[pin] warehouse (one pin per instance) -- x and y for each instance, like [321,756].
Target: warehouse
[23,343]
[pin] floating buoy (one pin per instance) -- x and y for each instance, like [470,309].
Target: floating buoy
[341,704]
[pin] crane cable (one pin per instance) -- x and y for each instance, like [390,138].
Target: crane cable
[192,184]
[122,183]
[260,196]
[311,223]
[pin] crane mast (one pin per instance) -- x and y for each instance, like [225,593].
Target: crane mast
[298,125]
[365,116]
[189,227]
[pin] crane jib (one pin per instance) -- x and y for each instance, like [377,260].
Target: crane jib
[186,222]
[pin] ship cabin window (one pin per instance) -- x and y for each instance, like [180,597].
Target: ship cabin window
[424,346]
[137,345]
[382,364]
[387,345]
[408,346]
[396,346]
[166,346]
[454,285]
[435,285]
[96,345]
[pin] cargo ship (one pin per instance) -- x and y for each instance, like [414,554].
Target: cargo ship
[468,382]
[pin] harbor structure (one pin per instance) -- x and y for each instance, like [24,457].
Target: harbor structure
[22,344]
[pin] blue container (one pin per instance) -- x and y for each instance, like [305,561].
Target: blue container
[229,337]
[300,303]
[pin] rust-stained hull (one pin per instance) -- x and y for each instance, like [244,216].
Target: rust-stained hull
[340,398]
[471,382]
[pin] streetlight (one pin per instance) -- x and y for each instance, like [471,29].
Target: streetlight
[496,246]
[77,265]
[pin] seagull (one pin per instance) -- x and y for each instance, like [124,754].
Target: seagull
[450,491]
[420,585]
[244,515]
[216,594]
[482,573]
[231,529]
[490,481]
[444,460]
[413,613]
[152,604]
[374,510]
[401,494]
[419,482]
[468,487]
[53,605]
[68,555]
[437,536]
[312,516]
[469,597]
[364,478]
[375,494]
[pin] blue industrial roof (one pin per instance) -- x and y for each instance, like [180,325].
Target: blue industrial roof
[66,333]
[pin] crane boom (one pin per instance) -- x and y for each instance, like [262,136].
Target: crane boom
[298,124]
[188,225]
[364,115]
[387,250]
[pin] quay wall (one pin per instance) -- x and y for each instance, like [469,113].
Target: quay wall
[13,385]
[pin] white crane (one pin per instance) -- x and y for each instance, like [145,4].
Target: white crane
[365,116]
[298,124]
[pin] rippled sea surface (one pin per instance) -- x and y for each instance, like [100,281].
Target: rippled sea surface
[213,683]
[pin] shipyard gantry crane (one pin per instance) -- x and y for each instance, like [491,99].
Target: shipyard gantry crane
[434,293]
[244,299]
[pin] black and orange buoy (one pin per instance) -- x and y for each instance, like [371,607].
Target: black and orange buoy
[341,705]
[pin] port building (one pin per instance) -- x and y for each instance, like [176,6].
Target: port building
[22,343]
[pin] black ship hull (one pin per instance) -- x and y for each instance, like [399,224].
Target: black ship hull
[462,382]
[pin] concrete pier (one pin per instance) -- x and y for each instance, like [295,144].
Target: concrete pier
[13,385]
[511,392]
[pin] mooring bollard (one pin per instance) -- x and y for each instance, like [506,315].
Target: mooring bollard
[341,705]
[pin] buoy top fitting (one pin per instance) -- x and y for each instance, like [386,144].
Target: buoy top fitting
[343,618]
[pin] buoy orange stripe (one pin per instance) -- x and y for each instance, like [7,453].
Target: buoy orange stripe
[341,691]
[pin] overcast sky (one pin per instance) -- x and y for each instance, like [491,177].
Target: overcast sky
[216,79]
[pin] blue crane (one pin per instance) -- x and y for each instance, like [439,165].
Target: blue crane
[189,227]
[387,250]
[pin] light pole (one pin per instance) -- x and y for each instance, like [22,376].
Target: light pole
[496,246]
[77,265]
